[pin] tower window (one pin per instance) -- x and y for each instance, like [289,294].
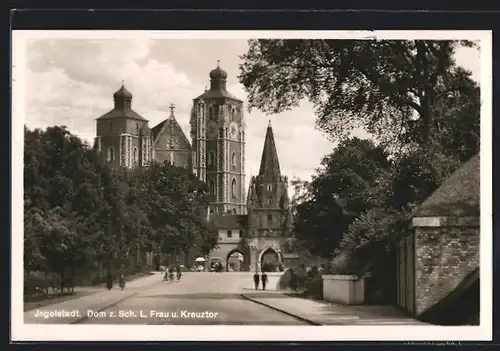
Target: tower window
[111,154]
[210,113]
[212,187]
[269,217]
[233,188]
[233,114]
[234,211]
[135,156]
[137,126]
[233,159]
[229,234]
[211,158]
[269,202]
[242,233]
[269,187]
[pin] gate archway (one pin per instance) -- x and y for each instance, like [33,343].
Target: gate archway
[236,261]
[269,260]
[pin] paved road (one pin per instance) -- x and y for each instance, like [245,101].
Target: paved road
[198,299]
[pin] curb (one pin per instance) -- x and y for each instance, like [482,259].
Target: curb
[83,319]
[308,321]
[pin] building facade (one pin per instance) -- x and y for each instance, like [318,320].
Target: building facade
[123,137]
[256,226]
[218,134]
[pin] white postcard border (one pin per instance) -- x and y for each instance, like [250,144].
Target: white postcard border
[40,332]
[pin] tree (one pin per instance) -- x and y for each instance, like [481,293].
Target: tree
[390,87]
[337,194]
[175,202]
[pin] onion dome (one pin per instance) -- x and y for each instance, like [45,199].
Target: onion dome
[218,73]
[122,94]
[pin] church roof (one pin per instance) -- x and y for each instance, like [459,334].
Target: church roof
[171,126]
[122,93]
[217,93]
[122,106]
[122,113]
[217,86]
[230,221]
[269,163]
[458,196]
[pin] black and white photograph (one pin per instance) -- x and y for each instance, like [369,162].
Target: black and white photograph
[176,183]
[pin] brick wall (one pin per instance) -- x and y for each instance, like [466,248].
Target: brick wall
[444,256]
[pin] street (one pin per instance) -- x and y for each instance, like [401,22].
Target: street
[198,299]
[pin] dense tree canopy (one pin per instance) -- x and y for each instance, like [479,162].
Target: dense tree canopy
[390,88]
[78,212]
[337,194]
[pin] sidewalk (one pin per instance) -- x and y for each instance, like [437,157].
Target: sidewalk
[75,310]
[326,313]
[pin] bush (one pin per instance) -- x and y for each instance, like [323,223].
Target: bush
[269,267]
[314,287]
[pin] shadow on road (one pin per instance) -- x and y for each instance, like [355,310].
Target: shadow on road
[208,296]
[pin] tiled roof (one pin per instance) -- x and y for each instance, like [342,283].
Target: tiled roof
[122,113]
[458,196]
[217,93]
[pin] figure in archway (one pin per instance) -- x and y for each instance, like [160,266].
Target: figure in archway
[235,261]
[216,265]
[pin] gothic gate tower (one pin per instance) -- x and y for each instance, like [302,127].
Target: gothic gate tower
[269,210]
[218,139]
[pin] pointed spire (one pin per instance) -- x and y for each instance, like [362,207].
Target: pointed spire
[269,164]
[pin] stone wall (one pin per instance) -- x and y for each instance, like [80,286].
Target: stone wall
[443,257]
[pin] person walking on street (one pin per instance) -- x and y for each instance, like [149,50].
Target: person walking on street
[256,279]
[109,281]
[122,281]
[264,280]
[293,281]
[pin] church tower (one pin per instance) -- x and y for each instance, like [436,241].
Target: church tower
[218,141]
[269,211]
[123,136]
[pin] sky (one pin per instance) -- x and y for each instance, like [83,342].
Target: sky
[71,82]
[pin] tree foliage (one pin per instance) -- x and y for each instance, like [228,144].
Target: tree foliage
[390,88]
[78,212]
[337,194]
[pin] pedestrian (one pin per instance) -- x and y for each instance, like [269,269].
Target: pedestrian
[109,281]
[122,281]
[256,279]
[293,281]
[264,280]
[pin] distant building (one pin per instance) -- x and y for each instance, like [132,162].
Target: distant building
[256,227]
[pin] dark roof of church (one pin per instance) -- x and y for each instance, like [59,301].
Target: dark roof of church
[122,113]
[230,221]
[269,163]
[217,93]
[156,130]
[122,109]
[458,196]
